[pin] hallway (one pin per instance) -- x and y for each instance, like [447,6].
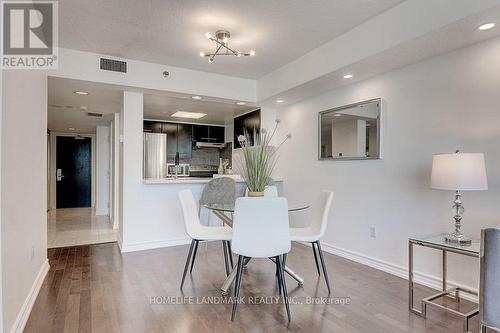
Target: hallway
[78,226]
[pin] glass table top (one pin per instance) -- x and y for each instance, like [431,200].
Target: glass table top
[438,240]
[292,207]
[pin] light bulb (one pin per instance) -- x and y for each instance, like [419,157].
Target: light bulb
[252,53]
[210,60]
[486,26]
[202,54]
[208,35]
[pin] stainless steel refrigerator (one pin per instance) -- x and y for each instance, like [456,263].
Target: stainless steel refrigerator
[155,155]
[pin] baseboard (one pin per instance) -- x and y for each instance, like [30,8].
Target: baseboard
[24,313]
[120,242]
[141,246]
[424,279]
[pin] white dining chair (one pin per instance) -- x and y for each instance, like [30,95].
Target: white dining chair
[489,285]
[261,230]
[199,232]
[315,231]
[269,191]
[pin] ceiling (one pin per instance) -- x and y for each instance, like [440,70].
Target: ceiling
[172,31]
[162,107]
[69,110]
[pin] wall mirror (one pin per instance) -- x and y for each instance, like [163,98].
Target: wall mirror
[351,132]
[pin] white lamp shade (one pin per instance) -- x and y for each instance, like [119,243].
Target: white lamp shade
[464,172]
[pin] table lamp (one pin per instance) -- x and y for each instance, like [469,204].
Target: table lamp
[458,172]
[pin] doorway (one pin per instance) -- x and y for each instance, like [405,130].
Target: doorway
[73,171]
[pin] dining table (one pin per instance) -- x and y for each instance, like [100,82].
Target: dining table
[225,213]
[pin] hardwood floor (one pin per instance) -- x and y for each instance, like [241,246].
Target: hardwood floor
[94,288]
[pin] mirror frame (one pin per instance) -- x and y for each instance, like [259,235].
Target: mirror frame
[379,130]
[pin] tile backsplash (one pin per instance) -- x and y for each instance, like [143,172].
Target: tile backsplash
[205,156]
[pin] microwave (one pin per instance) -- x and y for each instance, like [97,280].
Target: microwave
[182,170]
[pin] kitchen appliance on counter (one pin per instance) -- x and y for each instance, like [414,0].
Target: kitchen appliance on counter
[155,155]
[202,170]
[182,170]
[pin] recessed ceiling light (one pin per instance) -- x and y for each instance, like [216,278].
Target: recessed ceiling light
[81,92]
[337,114]
[486,26]
[241,103]
[71,128]
[191,115]
[348,76]
[83,108]
[196,97]
[279,101]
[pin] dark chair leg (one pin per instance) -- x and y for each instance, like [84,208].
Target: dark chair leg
[324,266]
[315,257]
[188,260]
[230,252]
[283,286]
[278,275]
[194,255]
[284,260]
[237,286]
[226,261]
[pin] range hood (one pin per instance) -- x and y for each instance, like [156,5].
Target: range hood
[201,144]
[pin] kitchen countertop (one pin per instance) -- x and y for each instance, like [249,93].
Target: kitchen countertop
[186,180]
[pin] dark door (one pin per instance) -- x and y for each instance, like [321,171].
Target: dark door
[73,172]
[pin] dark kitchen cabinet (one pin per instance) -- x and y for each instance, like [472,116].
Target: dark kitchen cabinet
[152,126]
[178,137]
[205,133]
[175,132]
[247,123]
[218,133]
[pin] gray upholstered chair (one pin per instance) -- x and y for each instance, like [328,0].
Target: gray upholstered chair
[489,285]
[222,191]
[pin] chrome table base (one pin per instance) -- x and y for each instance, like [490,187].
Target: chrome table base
[230,278]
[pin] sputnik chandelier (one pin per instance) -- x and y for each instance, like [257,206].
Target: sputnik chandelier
[221,41]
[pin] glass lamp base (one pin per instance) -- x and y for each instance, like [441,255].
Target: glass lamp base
[458,239]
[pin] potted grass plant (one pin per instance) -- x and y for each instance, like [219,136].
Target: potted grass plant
[259,159]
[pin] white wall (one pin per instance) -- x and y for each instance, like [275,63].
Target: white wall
[436,106]
[102,170]
[81,65]
[23,192]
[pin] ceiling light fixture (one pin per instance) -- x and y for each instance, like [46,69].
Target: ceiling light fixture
[279,101]
[337,115]
[221,41]
[191,115]
[241,103]
[486,26]
[348,76]
[79,92]
[196,97]
[71,128]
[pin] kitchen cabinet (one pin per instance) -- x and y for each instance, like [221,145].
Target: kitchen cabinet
[205,133]
[152,127]
[178,137]
[174,131]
